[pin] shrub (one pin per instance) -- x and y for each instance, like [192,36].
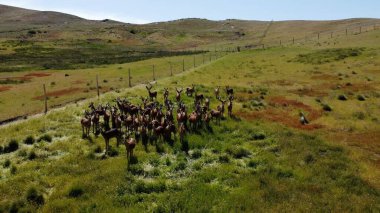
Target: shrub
[180,166]
[361,98]
[196,154]
[112,152]
[342,97]
[142,187]
[34,197]
[32,155]
[309,159]
[12,146]
[253,163]
[46,138]
[13,170]
[259,136]
[326,108]
[238,152]
[6,163]
[76,191]
[224,158]
[98,149]
[29,140]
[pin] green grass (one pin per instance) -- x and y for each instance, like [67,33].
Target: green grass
[253,162]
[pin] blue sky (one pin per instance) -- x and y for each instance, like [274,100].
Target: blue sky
[144,11]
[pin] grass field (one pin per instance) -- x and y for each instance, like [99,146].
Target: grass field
[260,160]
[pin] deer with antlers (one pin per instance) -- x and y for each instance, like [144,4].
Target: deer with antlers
[166,93]
[190,90]
[229,91]
[152,95]
[178,95]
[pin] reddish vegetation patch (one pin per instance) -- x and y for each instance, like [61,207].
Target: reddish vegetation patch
[324,77]
[356,87]
[245,96]
[38,75]
[79,82]
[59,93]
[280,82]
[5,88]
[24,78]
[309,92]
[281,111]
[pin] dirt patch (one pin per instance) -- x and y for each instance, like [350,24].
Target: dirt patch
[327,77]
[59,93]
[284,111]
[38,75]
[309,92]
[281,82]
[79,82]
[5,88]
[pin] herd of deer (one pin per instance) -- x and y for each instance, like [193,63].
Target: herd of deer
[152,121]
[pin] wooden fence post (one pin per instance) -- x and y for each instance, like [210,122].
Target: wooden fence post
[346,32]
[129,77]
[171,69]
[331,34]
[194,61]
[46,108]
[154,76]
[97,85]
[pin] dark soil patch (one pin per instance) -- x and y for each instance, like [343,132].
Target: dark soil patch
[59,93]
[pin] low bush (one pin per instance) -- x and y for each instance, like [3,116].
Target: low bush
[342,98]
[29,140]
[32,155]
[46,138]
[6,163]
[76,191]
[361,97]
[34,197]
[11,147]
[326,108]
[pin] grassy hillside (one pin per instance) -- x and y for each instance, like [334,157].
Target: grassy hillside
[260,160]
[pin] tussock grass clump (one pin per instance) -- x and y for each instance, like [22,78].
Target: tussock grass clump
[143,187]
[76,191]
[34,197]
[224,158]
[196,154]
[32,155]
[342,98]
[7,163]
[326,108]
[45,137]
[29,140]
[238,152]
[361,97]
[259,135]
[11,147]
[13,170]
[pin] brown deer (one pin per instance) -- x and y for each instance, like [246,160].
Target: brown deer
[113,133]
[217,92]
[216,114]
[86,124]
[193,120]
[152,95]
[178,95]
[190,90]
[221,107]
[229,91]
[229,107]
[130,144]
[199,97]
